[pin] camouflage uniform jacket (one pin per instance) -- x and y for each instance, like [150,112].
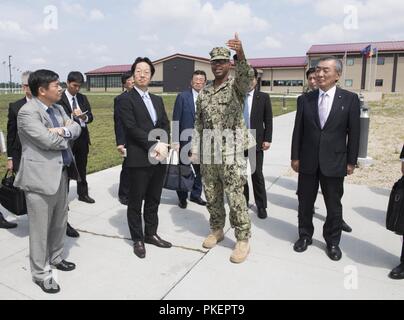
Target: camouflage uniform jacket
[221,110]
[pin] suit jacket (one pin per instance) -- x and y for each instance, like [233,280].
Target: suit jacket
[13,141]
[84,106]
[138,125]
[184,113]
[118,126]
[41,161]
[332,147]
[402,153]
[261,118]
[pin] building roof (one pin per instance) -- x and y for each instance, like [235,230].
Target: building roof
[180,55]
[356,47]
[118,69]
[284,62]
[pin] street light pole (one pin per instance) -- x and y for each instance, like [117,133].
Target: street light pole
[9,67]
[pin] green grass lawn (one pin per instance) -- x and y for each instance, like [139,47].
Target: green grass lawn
[103,152]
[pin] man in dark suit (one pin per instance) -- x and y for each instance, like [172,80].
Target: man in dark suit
[325,147]
[147,131]
[13,141]
[184,119]
[124,182]
[258,117]
[398,272]
[78,108]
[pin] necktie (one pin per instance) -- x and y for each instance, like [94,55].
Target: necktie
[74,104]
[150,108]
[246,112]
[322,109]
[67,157]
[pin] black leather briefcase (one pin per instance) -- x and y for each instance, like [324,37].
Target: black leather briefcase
[395,209]
[179,177]
[12,198]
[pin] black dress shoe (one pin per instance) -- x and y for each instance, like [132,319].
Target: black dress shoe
[262,213]
[302,244]
[65,266]
[183,204]
[87,199]
[157,241]
[398,272]
[198,201]
[71,232]
[48,286]
[4,224]
[139,249]
[334,253]
[346,227]
[124,201]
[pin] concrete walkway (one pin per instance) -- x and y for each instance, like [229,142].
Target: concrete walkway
[108,269]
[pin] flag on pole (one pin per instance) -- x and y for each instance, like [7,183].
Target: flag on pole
[367,51]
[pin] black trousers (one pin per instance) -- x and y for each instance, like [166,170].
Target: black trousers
[124,182]
[146,184]
[333,190]
[258,180]
[402,251]
[80,151]
[196,188]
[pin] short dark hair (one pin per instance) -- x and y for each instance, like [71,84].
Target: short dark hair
[200,73]
[41,78]
[75,76]
[310,71]
[146,60]
[125,77]
[255,73]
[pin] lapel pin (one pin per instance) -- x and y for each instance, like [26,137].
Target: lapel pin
[342,108]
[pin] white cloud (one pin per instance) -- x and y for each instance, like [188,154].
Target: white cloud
[96,15]
[271,43]
[330,33]
[149,38]
[197,19]
[11,30]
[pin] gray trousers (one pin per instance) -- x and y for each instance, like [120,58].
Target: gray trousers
[47,228]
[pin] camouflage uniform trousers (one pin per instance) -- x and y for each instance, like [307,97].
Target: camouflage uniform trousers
[229,179]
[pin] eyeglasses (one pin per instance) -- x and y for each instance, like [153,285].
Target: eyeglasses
[145,72]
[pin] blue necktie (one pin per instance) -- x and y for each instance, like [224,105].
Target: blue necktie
[67,157]
[150,108]
[246,112]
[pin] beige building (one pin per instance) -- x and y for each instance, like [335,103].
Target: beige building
[384,72]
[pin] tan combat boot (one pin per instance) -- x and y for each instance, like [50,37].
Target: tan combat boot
[240,252]
[212,239]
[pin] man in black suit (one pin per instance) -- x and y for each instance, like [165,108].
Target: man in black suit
[147,131]
[184,119]
[124,182]
[258,117]
[325,147]
[13,141]
[398,272]
[78,108]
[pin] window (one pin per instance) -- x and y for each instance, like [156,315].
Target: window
[265,83]
[379,83]
[348,83]
[380,61]
[97,82]
[350,61]
[114,82]
[314,62]
[156,84]
[288,83]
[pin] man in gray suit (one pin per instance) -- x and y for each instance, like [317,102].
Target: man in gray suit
[45,132]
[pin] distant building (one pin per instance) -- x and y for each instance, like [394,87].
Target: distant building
[277,75]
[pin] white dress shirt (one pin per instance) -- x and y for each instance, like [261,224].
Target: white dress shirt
[195,95]
[330,98]
[149,104]
[70,99]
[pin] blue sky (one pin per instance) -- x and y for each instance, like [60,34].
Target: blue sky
[84,35]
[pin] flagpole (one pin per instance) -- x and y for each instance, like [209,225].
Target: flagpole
[345,61]
[377,59]
[370,71]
